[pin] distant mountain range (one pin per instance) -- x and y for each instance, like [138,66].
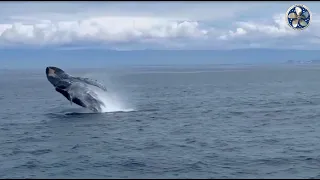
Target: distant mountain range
[32,58]
[303,62]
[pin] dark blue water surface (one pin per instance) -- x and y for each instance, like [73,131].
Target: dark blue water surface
[164,122]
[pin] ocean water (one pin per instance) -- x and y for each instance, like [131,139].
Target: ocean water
[165,122]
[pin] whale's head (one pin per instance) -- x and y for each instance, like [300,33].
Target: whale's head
[56,76]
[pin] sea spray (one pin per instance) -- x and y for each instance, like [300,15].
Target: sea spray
[112,102]
[113,99]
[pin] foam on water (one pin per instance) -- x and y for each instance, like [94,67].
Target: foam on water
[113,100]
[112,103]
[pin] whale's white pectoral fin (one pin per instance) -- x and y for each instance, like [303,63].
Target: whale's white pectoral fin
[91,82]
[76,89]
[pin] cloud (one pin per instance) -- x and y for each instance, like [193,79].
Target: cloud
[273,34]
[169,24]
[231,34]
[257,30]
[139,25]
[193,11]
[100,29]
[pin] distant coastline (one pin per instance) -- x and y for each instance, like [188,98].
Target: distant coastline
[303,62]
[99,58]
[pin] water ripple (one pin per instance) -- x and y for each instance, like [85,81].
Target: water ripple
[220,124]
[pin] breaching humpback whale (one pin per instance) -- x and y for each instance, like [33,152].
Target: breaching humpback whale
[75,89]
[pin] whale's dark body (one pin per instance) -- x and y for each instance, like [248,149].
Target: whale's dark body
[75,89]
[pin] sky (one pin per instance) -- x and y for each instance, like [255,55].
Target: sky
[127,26]
[155,25]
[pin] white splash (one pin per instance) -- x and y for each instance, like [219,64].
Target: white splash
[112,102]
[113,99]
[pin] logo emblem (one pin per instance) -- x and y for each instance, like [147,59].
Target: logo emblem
[298,17]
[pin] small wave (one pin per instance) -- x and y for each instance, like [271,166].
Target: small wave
[78,113]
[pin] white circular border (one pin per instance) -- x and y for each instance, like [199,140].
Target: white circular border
[310,14]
